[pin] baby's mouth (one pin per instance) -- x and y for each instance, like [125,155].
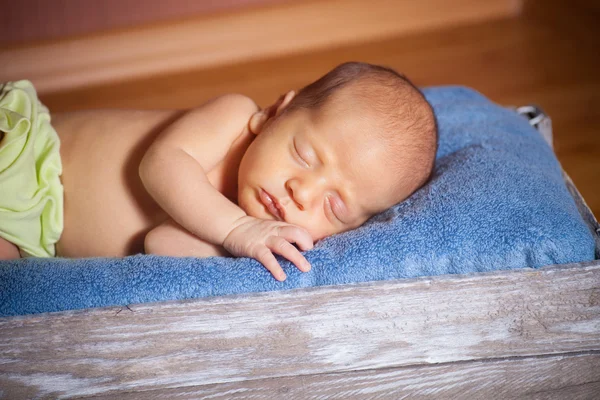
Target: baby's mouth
[271,204]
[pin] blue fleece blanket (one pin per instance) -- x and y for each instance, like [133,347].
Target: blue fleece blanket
[497,201]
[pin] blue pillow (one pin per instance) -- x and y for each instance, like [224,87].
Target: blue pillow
[497,200]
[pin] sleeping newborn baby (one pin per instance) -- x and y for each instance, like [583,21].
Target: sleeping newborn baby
[226,178]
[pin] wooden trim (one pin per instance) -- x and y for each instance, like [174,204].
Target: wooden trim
[391,324]
[233,37]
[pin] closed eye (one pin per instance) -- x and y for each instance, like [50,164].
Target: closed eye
[329,210]
[298,156]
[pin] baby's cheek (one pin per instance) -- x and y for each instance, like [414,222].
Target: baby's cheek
[318,226]
[245,203]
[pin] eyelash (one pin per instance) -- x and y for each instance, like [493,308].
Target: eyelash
[302,160]
[330,209]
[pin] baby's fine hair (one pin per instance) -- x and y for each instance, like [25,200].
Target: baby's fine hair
[406,120]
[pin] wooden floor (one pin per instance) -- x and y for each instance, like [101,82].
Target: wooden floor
[513,61]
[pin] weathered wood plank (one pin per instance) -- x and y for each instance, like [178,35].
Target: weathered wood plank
[547,377]
[302,332]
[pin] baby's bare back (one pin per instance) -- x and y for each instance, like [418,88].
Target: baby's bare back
[107,211]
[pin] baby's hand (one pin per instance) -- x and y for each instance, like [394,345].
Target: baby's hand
[259,239]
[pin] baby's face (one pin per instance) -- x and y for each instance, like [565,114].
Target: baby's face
[321,171]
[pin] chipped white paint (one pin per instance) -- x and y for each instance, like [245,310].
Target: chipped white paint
[549,377]
[50,384]
[307,332]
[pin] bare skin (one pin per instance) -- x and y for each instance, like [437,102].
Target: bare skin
[106,154]
[191,171]
[109,211]
[193,182]
[100,150]
[8,251]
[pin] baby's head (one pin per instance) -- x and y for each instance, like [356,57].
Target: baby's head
[351,144]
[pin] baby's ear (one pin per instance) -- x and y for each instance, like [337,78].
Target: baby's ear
[283,102]
[260,118]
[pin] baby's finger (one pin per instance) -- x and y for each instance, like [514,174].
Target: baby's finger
[266,258]
[284,248]
[295,234]
[256,121]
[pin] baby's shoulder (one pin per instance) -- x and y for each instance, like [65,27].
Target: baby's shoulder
[239,102]
[231,106]
[222,118]
[211,131]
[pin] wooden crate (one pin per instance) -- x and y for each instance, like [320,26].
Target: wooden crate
[507,334]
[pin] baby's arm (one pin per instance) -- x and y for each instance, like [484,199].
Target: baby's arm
[171,239]
[174,172]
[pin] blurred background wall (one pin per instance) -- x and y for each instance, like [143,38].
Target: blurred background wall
[63,44]
[34,20]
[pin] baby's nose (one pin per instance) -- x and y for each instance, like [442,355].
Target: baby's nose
[304,191]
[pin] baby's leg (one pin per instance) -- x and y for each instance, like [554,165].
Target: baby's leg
[170,239]
[8,251]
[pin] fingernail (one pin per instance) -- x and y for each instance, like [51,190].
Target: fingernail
[282,277]
[307,267]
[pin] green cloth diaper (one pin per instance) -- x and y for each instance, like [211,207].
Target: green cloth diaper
[31,194]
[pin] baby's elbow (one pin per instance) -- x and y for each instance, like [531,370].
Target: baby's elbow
[160,242]
[154,243]
[145,167]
